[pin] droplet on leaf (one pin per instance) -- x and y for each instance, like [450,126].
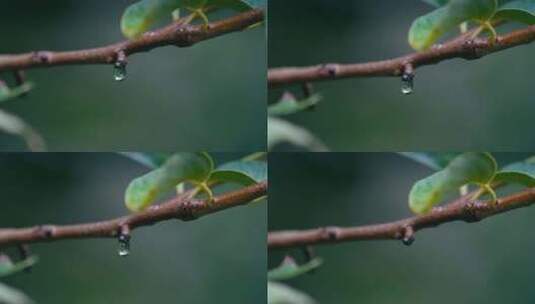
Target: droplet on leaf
[407,83]
[124,245]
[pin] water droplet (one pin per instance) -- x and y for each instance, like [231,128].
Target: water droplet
[407,83]
[119,71]
[124,245]
[407,241]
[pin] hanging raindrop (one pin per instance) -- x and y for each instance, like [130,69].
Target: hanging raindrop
[407,83]
[124,245]
[119,70]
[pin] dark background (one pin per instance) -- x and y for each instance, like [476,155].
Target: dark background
[460,105]
[220,258]
[486,262]
[210,96]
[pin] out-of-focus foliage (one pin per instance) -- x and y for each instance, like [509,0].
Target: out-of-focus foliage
[368,188]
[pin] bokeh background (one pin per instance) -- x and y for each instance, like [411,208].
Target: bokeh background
[486,262]
[219,258]
[458,104]
[210,96]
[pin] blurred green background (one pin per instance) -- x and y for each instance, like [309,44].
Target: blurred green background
[486,262]
[219,258]
[210,96]
[456,105]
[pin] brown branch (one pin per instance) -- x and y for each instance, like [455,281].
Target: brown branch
[176,34]
[462,209]
[461,47]
[181,208]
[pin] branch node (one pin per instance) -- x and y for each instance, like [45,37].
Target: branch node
[186,211]
[330,233]
[408,236]
[41,56]
[45,231]
[329,70]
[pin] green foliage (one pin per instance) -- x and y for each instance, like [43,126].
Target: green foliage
[522,11]
[283,294]
[13,124]
[468,168]
[9,295]
[522,173]
[7,93]
[240,172]
[7,267]
[288,104]
[281,131]
[427,29]
[433,160]
[173,170]
[478,168]
[141,16]
[289,269]
[152,160]
[180,167]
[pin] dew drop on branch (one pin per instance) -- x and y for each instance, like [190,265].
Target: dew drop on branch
[119,71]
[124,245]
[407,83]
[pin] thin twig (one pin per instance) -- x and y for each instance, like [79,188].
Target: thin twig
[176,34]
[463,209]
[461,47]
[182,208]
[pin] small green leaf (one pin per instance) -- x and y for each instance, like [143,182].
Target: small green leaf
[283,294]
[10,295]
[152,160]
[427,29]
[468,168]
[14,125]
[141,16]
[433,160]
[518,173]
[437,3]
[244,173]
[10,93]
[290,105]
[289,269]
[180,167]
[522,11]
[7,267]
[281,131]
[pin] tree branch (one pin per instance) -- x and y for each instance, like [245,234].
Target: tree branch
[176,34]
[182,208]
[463,209]
[461,47]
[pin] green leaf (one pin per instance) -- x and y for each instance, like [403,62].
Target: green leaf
[437,3]
[522,11]
[433,160]
[283,294]
[244,173]
[151,160]
[289,269]
[281,131]
[288,104]
[180,167]
[468,168]
[141,16]
[14,125]
[518,173]
[427,29]
[7,267]
[9,295]
[10,93]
